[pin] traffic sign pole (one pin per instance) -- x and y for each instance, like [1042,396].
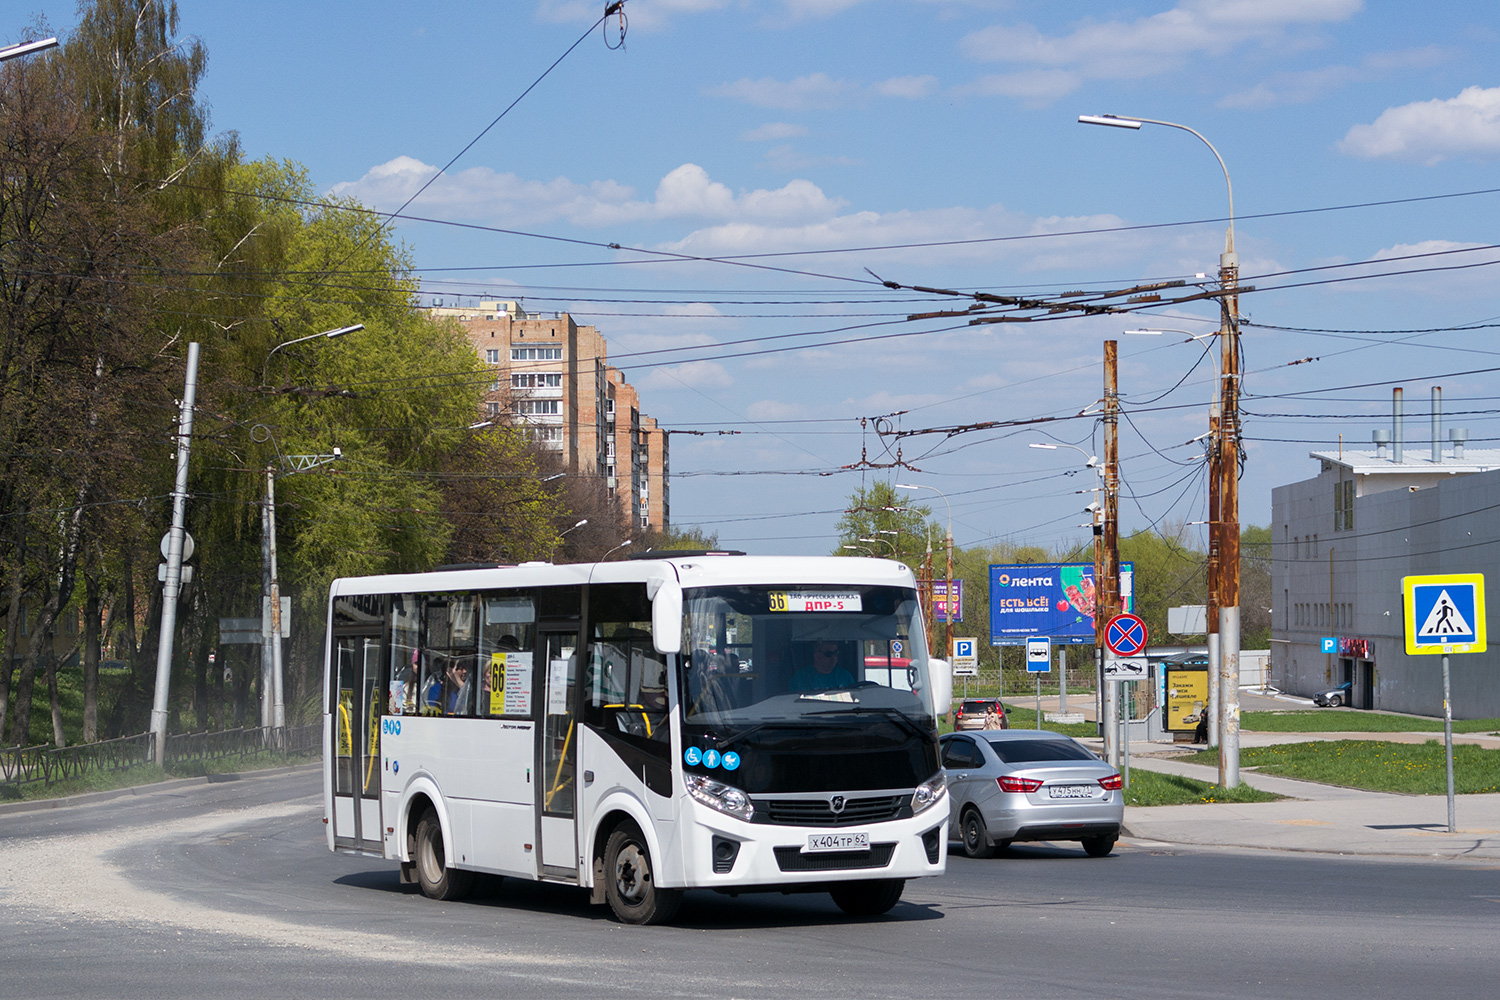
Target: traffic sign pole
[1445,614]
[1448,741]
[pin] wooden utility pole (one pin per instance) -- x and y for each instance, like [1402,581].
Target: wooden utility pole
[1107,581]
[1229,522]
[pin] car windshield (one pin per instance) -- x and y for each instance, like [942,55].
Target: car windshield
[757,656]
[979,706]
[1029,751]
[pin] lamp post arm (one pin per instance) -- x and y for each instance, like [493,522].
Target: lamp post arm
[1229,235]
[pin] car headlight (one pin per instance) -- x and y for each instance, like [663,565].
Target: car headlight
[717,795]
[928,792]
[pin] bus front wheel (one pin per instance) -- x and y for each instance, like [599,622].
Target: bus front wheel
[437,880]
[868,899]
[630,880]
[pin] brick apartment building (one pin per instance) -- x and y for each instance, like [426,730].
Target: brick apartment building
[553,380]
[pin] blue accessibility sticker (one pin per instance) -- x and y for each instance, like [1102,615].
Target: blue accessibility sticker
[693,755]
[710,758]
[731,761]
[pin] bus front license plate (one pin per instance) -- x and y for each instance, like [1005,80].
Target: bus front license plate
[820,842]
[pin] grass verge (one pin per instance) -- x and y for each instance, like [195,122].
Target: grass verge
[1375,765]
[1025,718]
[1336,720]
[1152,788]
[148,774]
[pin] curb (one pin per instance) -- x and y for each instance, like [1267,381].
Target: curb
[86,798]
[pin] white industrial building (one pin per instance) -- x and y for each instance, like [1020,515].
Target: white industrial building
[1343,541]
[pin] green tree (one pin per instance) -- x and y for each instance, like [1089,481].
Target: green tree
[899,526]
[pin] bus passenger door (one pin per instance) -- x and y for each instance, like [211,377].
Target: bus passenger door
[558,754]
[356,727]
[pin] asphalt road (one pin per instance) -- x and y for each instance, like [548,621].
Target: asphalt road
[227,890]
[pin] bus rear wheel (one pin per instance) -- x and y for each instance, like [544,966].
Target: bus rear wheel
[630,880]
[437,880]
[868,899]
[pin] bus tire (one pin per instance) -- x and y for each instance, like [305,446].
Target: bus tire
[437,880]
[868,899]
[630,880]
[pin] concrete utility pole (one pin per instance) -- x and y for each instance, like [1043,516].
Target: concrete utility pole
[172,587]
[1226,525]
[1107,584]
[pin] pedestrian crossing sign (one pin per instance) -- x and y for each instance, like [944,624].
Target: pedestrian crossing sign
[1444,614]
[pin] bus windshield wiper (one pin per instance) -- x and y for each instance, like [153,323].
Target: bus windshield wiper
[897,716]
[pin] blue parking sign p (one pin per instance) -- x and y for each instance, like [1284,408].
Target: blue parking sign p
[1330,644]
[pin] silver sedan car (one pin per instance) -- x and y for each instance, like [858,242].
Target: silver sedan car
[1006,785]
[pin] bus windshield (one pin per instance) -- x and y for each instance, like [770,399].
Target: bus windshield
[770,655]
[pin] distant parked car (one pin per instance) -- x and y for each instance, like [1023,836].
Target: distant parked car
[1029,784]
[971,713]
[1334,697]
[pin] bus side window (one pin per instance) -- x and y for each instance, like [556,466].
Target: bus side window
[625,685]
[507,644]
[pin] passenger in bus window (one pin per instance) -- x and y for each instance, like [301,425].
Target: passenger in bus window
[461,692]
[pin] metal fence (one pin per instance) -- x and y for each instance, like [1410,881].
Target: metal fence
[49,764]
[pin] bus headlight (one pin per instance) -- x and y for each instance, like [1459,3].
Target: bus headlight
[717,795]
[928,792]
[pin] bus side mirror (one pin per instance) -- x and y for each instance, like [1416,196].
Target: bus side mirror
[942,686]
[666,618]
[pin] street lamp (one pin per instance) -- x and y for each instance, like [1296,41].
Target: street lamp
[948,583]
[877,540]
[564,532]
[1224,482]
[26,48]
[329,334]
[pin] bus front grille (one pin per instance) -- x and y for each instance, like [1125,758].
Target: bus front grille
[817,812]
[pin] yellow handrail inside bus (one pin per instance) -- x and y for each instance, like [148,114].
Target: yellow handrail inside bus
[374,736]
[557,782]
[638,708]
[348,729]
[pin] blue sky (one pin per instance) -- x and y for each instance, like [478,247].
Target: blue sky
[826,128]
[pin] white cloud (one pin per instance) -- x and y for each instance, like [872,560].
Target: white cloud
[911,87]
[691,374]
[1148,46]
[819,91]
[480,193]
[1311,85]
[1429,132]
[816,90]
[773,131]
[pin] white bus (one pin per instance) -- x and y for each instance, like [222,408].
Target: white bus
[694,721]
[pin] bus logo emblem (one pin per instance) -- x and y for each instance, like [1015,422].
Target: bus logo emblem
[836,804]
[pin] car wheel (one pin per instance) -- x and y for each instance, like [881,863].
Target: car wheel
[1334,701]
[868,899]
[630,880]
[436,879]
[971,829]
[1098,847]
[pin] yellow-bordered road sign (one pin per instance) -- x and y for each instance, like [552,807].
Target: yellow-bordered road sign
[1444,613]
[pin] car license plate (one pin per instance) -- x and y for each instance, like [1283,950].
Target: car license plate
[820,842]
[1071,791]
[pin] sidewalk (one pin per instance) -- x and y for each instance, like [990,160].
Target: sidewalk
[1320,818]
[1313,817]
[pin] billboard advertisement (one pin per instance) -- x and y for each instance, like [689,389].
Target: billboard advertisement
[942,606]
[1055,600]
